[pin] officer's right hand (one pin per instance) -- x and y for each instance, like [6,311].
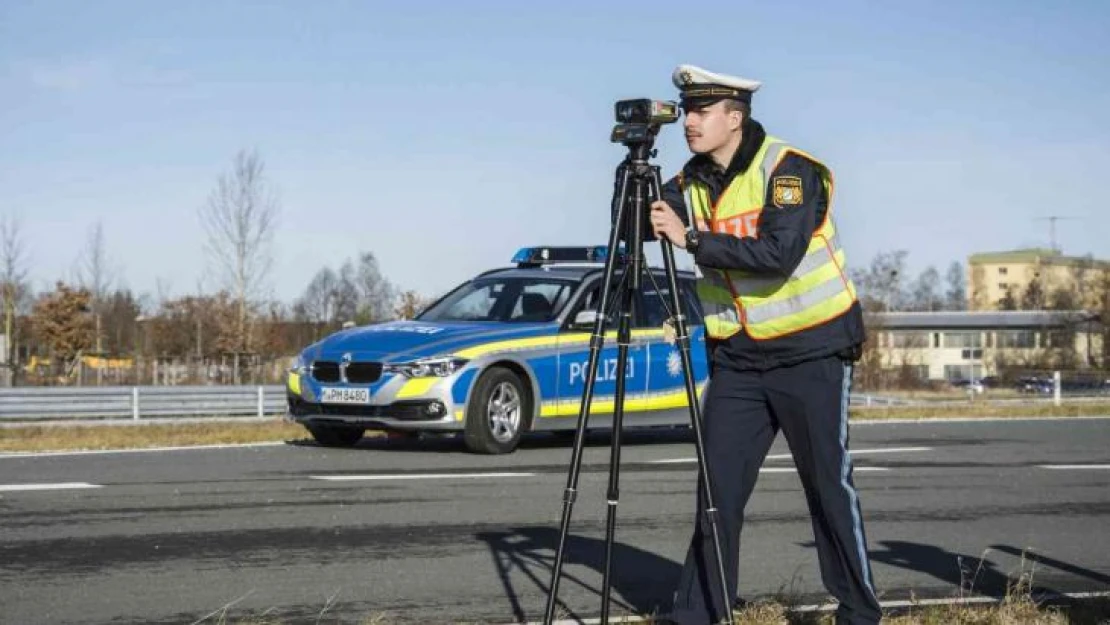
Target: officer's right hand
[665,222]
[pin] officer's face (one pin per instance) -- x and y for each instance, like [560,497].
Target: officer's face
[708,128]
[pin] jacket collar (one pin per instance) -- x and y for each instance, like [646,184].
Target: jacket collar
[702,166]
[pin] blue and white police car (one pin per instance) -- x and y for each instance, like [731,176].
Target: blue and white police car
[502,354]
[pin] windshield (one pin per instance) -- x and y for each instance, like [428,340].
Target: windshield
[503,299]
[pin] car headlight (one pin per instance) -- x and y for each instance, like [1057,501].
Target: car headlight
[429,367]
[297,365]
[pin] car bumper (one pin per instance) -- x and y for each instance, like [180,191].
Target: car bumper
[416,414]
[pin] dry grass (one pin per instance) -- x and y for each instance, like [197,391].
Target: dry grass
[979,409]
[81,437]
[1013,610]
[1017,607]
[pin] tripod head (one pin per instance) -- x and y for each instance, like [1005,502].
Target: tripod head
[638,123]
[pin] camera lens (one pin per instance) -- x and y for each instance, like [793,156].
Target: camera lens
[633,111]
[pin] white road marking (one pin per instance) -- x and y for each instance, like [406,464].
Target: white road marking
[12,488]
[1075,467]
[792,470]
[143,450]
[853,452]
[421,476]
[969,419]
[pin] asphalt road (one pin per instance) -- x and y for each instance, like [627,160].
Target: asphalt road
[427,533]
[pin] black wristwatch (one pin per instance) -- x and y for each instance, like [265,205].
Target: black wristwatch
[693,240]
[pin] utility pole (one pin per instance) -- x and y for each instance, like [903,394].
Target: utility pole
[1052,219]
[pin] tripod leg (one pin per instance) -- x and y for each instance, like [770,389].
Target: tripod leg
[624,337]
[682,338]
[597,339]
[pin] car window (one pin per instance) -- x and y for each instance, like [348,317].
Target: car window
[588,300]
[691,301]
[503,300]
[538,301]
[656,305]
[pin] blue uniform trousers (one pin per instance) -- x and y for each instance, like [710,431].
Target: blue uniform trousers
[744,411]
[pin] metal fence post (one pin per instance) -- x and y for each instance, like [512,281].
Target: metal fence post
[135,403]
[261,402]
[1056,387]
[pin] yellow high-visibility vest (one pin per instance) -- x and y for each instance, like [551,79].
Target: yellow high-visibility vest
[768,307]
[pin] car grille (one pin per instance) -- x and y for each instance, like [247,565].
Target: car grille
[357,372]
[325,371]
[364,372]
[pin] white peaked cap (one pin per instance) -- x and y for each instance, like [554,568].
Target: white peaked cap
[695,82]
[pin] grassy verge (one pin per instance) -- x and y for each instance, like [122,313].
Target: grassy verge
[74,437]
[1031,409]
[1018,610]
[1012,611]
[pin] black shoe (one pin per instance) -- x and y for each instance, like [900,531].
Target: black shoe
[740,604]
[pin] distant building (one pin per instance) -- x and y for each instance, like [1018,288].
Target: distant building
[975,344]
[1018,278]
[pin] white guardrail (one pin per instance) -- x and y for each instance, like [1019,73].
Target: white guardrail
[138,402]
[50,403]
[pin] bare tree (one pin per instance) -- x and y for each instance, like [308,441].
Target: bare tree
[239,218]
[96,278]
[881,284]
[1033,297]
[346,293]
[13,285]
[956,295]
[318,300]
[376,294]
[925,291]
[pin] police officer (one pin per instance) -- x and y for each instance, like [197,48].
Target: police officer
[783,328]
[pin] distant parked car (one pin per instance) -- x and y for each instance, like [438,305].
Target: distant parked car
[1034,385]
[972,386]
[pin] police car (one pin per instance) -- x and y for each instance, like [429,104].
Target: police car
[502,354]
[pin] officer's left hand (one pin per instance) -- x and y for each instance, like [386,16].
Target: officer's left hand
[665,223]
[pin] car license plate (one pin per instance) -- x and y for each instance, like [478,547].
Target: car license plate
[332,395]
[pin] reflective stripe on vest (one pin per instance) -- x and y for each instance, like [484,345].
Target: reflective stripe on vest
[817,291]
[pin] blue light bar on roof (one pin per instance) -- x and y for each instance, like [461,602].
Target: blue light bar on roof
[553,255]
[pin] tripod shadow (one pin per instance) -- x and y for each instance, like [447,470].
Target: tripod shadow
[642,582]
[1059,565]
[970,574]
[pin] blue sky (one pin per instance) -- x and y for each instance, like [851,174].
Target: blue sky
[442,136]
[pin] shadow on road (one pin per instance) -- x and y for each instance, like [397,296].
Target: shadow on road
[1044,561]
[642,582]
[977,574]
[453,443]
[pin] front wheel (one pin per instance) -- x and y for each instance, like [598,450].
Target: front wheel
[335,435]
[495,414]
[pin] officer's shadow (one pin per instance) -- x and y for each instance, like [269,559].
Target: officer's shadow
[642,582]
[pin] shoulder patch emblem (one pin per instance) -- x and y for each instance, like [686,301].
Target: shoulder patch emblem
[787,190]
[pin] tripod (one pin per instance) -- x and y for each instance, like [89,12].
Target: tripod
[639,181]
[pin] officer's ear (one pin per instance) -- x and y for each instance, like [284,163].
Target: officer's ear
[737,112]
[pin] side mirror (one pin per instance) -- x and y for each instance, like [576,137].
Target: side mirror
[585,319]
